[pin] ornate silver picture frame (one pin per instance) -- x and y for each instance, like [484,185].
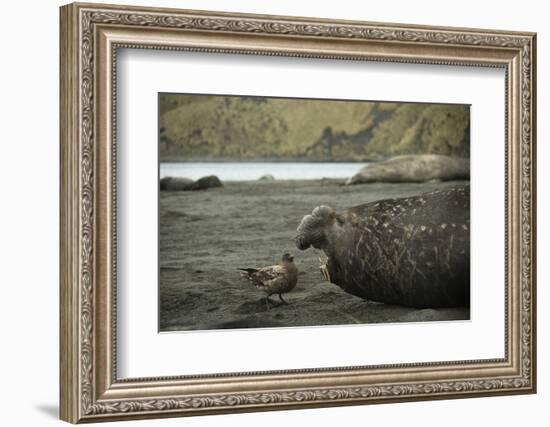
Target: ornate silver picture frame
[91,36]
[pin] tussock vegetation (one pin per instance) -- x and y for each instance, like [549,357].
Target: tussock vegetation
[202,127]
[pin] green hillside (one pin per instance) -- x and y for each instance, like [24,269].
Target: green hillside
[204,127]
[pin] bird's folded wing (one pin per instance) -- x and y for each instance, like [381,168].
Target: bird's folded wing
[270,273]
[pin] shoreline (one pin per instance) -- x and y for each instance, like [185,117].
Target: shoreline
[263,160]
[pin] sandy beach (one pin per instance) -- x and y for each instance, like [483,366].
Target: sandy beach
[206,235]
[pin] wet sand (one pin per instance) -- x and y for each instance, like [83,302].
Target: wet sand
[206,235]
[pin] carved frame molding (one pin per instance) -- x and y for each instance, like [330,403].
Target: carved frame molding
[90,37]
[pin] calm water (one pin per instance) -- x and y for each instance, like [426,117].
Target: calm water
[252,171]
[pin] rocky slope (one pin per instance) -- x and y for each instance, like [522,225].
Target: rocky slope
[204,127]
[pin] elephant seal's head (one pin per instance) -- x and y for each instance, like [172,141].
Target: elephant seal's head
[318,228]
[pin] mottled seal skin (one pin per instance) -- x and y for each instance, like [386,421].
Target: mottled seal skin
[412,251]
[414,168]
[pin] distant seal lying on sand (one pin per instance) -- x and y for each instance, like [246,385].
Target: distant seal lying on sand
[412,251]
[414,168]
[169,183]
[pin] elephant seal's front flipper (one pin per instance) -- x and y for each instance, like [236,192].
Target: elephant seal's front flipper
[412,251]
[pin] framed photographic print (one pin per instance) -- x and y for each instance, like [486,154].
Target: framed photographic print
[265,212]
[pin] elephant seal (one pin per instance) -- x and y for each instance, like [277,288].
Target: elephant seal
[185,184]
[210,181]
[412,251]
[169,183]
[413,168]
[267,177]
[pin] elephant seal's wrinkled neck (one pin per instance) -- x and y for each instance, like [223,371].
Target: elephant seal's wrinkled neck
[317,229]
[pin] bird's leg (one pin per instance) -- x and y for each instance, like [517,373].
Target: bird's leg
[282,300]
[267,300]
[323,260]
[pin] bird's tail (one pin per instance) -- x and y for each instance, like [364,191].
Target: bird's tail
[247,272]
